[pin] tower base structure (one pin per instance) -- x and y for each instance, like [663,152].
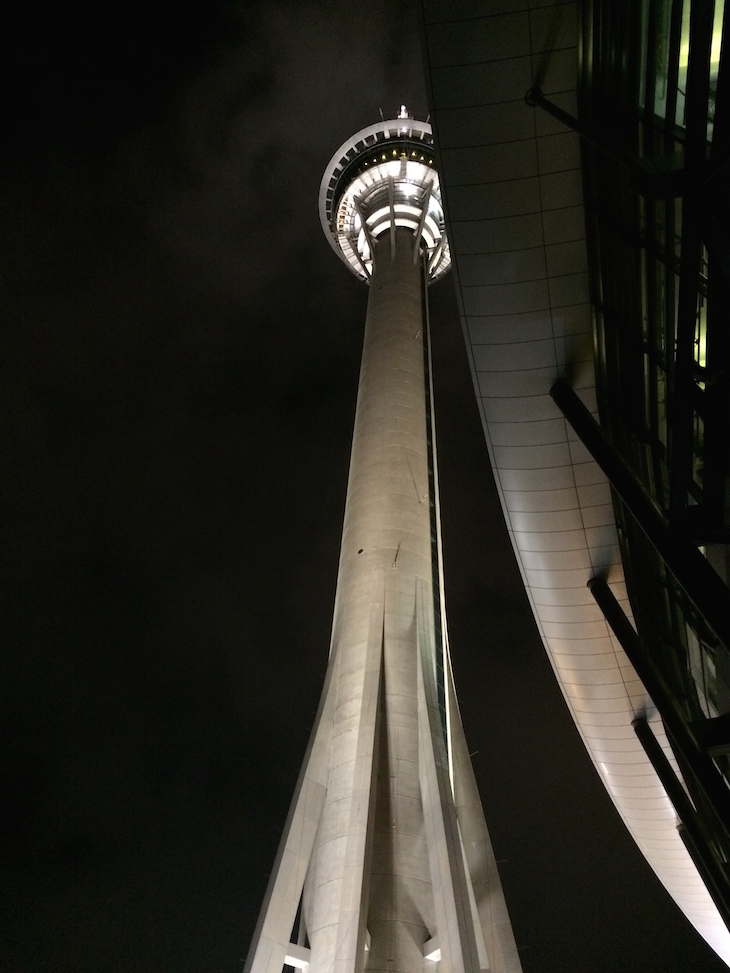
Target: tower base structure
[385,863]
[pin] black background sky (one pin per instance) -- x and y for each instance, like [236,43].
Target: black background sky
[179,369]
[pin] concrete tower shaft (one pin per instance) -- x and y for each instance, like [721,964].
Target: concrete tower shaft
[384,592]
[385,863]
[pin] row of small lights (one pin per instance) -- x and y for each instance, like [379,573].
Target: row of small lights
[403,156]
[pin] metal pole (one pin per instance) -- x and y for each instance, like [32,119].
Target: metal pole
[696,577]
[690,829]
[702,768]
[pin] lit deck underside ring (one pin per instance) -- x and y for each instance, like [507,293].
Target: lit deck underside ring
[382,178]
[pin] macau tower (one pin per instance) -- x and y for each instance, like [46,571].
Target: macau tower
[385,862]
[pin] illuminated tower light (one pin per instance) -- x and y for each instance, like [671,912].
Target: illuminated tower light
[383,178]
[385,863]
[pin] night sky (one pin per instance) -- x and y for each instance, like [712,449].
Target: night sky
[179,374]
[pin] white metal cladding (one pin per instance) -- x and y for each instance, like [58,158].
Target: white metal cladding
[396,183]
[512,186]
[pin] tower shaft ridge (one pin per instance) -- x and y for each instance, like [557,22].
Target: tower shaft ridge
[385,863]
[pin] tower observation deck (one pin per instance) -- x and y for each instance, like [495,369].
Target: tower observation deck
[385,863]
[383,178]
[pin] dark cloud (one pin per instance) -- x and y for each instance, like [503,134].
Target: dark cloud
[180,363]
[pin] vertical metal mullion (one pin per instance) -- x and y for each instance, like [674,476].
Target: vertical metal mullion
[623,34]
[668,244]
[675,39]
[718,306]
[721,132]
[653,350]
[606,56]
[634,66]
[649,242]
[586,57]
[650,80]
[698,68]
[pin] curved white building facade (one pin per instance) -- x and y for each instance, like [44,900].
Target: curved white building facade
[511,180]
